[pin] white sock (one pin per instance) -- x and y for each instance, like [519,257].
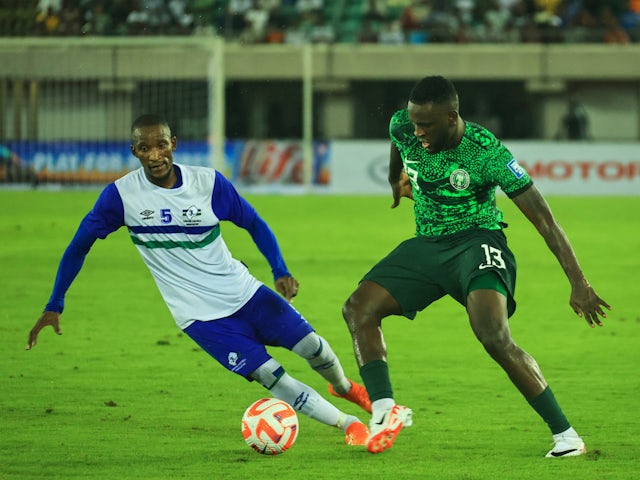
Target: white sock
[306,400]
[568,432]
[317,351]
[344,421]
[381,405]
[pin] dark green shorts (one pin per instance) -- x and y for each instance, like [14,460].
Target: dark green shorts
[421,270]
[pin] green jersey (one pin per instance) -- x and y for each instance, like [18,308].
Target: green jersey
[454,190]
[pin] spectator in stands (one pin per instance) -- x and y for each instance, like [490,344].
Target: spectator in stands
[612,30]
[71,20]
[508,4]
[138,20]
[97,20]
[459,21]
[391,33]
[181,16]
[415,16]
[375,11]
[256,20]
[45,6]
[551,7]
[463,9]
[575,122]
[309,8]
[119,10]
[311,13]
[275,33]
[496,21]
[463,13]
[630,20]
[274,8]
[368,32]
[321,30]
[297,33]
[423,22]
[523,23]
[236,16]
[277,21]
[547,20]
[159,17]
[47,22]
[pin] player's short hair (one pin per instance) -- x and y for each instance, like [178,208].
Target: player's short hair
[434,89]
[149,120]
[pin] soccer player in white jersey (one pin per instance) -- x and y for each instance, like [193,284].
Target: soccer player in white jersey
[173,215]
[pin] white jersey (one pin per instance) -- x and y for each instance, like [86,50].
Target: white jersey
[178,235]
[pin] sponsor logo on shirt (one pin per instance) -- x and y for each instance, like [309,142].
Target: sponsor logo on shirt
[516,169]
[147,214]
[459,179]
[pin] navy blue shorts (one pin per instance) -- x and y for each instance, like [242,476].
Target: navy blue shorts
[239,341]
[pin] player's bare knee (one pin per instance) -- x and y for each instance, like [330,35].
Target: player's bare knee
[497,343]
[352,308]
[356,312]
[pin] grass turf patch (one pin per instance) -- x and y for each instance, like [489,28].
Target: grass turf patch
[123,394]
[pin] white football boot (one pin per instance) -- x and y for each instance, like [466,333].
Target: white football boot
[567,444]
[384,427]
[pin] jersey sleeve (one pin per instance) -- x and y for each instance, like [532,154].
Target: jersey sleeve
[506,172]
[228,205]
[106,216]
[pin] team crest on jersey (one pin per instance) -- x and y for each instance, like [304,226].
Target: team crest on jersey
[459,179]
[516,169]
[190,215]
[147,214]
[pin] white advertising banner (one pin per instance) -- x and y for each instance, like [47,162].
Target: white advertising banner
[557,168]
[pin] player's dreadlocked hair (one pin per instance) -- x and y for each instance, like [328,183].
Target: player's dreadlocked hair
[434,89]
[149,120]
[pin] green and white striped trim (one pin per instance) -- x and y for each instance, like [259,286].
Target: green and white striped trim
[168,244]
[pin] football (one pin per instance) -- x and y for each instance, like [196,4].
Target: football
[270,426]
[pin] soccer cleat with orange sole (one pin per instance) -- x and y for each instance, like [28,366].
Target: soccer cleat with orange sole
[386,426]
[356,434]
[358,395]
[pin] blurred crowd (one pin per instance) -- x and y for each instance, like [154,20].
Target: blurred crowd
[329,21]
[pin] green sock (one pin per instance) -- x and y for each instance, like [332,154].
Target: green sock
[547,407]
[375,376]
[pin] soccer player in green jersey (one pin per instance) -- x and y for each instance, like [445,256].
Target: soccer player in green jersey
[451,169]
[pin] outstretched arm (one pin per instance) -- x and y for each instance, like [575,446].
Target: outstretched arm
[106,216]
[584,300]
[229,205]
[68,269]
[266,242]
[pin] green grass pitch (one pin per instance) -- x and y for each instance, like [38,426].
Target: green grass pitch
[123,395]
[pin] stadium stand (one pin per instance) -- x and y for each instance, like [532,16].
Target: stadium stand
[341,21]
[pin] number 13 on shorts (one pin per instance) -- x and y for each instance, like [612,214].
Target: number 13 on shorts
[493,257]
